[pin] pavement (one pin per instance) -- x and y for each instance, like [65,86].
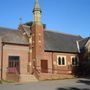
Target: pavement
[68,84]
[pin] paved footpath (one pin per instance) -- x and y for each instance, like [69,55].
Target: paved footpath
[69,84]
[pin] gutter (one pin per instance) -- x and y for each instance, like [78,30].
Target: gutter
[2,60]
[52,64]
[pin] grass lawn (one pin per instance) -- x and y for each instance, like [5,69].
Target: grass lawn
[0,82]
[5,81]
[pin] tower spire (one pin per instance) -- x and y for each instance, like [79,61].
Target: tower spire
[36,7]
[37,12]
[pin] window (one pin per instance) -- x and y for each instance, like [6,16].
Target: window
[13,61]
[61,60]
[74,60]
[14,64]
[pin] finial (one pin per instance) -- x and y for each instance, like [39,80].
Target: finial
[36,1]
[20,20]
[37,7]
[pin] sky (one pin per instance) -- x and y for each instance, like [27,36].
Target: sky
[68,16]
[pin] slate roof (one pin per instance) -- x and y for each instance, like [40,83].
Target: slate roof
[61,42]
[12,36]
[54,41]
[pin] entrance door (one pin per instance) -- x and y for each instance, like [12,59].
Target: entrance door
[44,66]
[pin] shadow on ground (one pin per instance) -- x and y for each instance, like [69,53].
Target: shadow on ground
[72,88]
[86,81]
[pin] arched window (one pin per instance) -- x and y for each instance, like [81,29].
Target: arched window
[61,60]
[74,60]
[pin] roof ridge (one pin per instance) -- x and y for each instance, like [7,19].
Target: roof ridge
[64,33]
[8,28]
[84,39]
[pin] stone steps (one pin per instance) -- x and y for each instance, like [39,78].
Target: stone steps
[27,78]
[12,77]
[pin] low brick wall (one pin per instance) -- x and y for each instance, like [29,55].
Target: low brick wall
[12,77]
[45,76]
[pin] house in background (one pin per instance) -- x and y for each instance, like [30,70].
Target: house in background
[34,53]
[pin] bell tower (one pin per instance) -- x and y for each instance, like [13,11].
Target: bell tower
[37,35]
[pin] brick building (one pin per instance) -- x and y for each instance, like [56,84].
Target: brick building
[34,53]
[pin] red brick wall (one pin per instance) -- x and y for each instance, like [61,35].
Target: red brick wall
[37,41]
[37,44]
[62,69]
[54,69]
[15,50]
[52,62]
[47,56]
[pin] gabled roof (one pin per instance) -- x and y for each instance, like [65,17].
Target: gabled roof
[83,42]
[12,36]
[55,41]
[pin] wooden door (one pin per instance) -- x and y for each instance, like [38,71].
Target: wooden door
[44,66]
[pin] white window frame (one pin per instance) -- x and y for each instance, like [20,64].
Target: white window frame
[74,58]
[61,56]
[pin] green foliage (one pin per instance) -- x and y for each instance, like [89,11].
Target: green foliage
[0,82]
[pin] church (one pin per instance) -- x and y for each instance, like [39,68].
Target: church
[33,53]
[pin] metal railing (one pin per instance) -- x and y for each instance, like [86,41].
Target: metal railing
[12,70]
